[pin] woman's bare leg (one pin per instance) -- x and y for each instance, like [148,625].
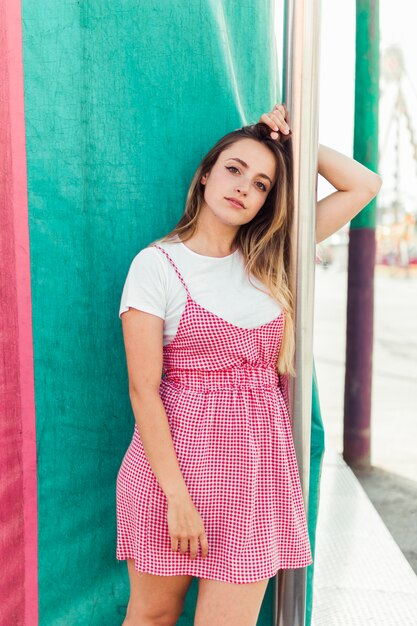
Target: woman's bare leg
[155,600]
[228,604]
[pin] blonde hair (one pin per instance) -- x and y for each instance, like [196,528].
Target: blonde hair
[265,241]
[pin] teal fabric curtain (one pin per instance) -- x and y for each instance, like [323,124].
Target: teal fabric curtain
[317,447]
[122,99]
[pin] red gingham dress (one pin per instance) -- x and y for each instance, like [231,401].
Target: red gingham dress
[232,434]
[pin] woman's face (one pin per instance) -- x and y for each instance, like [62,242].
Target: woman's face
[244,171]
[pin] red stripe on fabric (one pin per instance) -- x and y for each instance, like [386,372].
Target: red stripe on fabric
[18,485]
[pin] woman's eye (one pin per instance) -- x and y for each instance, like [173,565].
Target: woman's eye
[232,167]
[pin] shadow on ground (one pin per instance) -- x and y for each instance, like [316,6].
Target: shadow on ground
[395,499]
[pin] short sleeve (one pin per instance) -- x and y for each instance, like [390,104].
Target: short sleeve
[145,285]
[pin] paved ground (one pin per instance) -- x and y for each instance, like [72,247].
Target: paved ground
[391,484]
[360,574]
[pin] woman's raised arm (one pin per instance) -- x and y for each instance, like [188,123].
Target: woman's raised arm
[356,186]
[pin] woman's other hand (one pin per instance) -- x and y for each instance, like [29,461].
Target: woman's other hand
[186,524]
[276,120]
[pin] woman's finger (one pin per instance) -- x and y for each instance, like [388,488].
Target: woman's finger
[193,547]
[266,119]
[276,122]
[281,111]
[279,118]
[280,122]
[183,544]
[281,108]
[204,545]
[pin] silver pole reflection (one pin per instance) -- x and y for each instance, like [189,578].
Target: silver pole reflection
[300,96]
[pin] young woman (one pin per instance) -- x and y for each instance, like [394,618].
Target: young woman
[209,486]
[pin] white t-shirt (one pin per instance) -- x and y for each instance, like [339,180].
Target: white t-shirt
[219,284]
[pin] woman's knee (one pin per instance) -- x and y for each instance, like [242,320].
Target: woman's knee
[220,603]
[155,600]
[152,616]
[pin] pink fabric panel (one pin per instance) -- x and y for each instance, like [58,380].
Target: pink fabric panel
[18,484]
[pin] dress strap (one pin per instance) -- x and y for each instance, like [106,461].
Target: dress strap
[174,266]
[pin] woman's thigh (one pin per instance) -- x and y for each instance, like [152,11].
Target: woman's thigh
[228,604]
[155,599]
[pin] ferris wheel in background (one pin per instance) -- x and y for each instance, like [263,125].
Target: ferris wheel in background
[397,210]
[396,87]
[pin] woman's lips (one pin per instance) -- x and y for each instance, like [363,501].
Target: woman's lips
[235,203]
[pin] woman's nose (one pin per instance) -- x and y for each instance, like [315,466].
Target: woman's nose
[241,187]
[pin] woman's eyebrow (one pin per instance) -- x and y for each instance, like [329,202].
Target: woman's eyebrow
[246,165]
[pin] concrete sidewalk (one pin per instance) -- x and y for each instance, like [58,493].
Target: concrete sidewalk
[392,482]
[361,576]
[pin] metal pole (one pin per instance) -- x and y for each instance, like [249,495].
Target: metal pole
[360,300]
[300,96]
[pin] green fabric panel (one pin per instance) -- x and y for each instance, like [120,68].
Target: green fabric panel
[121,102]
[317,447]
